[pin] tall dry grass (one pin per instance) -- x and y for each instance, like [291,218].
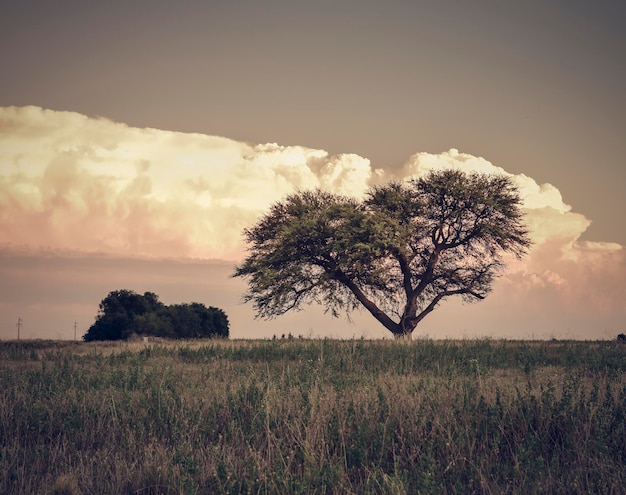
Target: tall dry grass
[304,417]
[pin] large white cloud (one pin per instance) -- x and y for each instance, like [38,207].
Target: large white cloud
[74,184]
[70,181]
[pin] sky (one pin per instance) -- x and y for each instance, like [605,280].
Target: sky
[138,139]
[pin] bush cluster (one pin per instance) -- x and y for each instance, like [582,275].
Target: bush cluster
[124,313]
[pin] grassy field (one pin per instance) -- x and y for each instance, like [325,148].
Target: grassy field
[313,416]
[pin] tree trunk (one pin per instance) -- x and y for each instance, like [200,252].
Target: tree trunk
[407,337]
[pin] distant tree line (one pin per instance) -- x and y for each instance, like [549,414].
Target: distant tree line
[125,313]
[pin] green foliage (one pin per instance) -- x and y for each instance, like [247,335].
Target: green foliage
[298,416]
[124,313]
[398,253]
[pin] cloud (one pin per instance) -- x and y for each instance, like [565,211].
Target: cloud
[72,184]
[68,181]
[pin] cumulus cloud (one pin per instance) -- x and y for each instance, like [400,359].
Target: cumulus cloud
[75,184]
[68,181]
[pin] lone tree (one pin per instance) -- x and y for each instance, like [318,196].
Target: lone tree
[398,253]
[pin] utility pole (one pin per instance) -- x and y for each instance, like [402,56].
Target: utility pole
[74,330]
[19,327]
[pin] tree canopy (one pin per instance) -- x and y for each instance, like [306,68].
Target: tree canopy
[123,313]
[398,253]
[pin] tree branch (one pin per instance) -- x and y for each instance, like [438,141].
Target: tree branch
[439,297]
[374,310]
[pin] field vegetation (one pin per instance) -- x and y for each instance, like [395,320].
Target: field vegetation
[313,417]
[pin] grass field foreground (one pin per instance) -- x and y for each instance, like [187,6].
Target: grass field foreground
[313,416]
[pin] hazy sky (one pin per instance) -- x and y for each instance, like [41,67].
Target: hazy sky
[138,138]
